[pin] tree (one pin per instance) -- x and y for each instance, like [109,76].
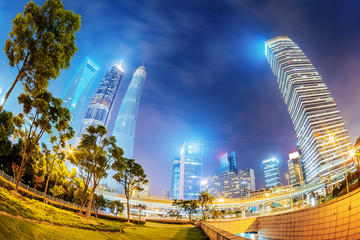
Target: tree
[65,132]
[40,113]
[99,202]
[38,181]
[205,200]
[116,207]
[91,154]
[179,205]
[6,147]
[130,175]
[190,207]
[140,207]
[216,213]
[40,44]
[57,190]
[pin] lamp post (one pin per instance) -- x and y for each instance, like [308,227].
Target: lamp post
[301,181]
[330,180]
[291,197]
[332,139]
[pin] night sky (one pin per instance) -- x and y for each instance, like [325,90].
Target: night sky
[208,79]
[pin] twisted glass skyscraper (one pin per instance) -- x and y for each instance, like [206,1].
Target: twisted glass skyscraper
[103,100]
[124,129]
[78,88]
[322,137]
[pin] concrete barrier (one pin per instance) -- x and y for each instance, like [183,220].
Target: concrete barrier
[215,233]
[336,219]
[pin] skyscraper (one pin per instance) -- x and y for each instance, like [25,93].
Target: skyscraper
[227,162]
[103,100]
[175,178]
[272,172]
[320,129]
[190,170]
[231,184]
[78,88]
[295,171]
[124,129]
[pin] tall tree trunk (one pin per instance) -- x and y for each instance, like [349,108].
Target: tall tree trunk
[46,187]
[88,209]
[48,179]
[10,90]
[19,173]
[128,209]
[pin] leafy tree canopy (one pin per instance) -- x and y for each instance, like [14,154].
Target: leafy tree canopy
[40,44]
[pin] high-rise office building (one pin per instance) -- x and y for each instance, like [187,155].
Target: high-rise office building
[320,129]
[227,162]
[272,172]
[295,171]
[78,88]
[231,184]
[103,100]
[175,178]
[124,129]
[190,170]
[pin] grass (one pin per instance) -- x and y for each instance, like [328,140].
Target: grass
[11,228]
[48,222]
[32,209]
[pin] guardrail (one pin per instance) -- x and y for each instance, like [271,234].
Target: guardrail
[36,192]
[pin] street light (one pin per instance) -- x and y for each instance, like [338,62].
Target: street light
[330,180]
[332,140]
[291,197]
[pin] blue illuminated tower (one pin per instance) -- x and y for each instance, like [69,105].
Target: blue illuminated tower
[190,170]
[175,177]
[272,172]
[227,163]
[124,129]
[103,100]
[78,88]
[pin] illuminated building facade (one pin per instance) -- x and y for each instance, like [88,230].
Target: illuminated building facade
[124,129]
[175,178]
[103,100]
[227,162]
[190,170]
[320,129]
[231,184]
[272,172]
[78,88]
[295,171]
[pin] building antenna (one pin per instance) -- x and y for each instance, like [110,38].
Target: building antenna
[142,61]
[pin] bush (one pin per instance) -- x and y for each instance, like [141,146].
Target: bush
[169,221]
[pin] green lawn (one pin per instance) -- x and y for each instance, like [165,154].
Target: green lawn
[11,228]
[36,210]
[62,224]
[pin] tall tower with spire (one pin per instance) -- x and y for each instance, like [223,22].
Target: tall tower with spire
[124,129]
[103,101]
[78,88]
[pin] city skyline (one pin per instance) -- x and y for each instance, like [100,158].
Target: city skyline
[216,89]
